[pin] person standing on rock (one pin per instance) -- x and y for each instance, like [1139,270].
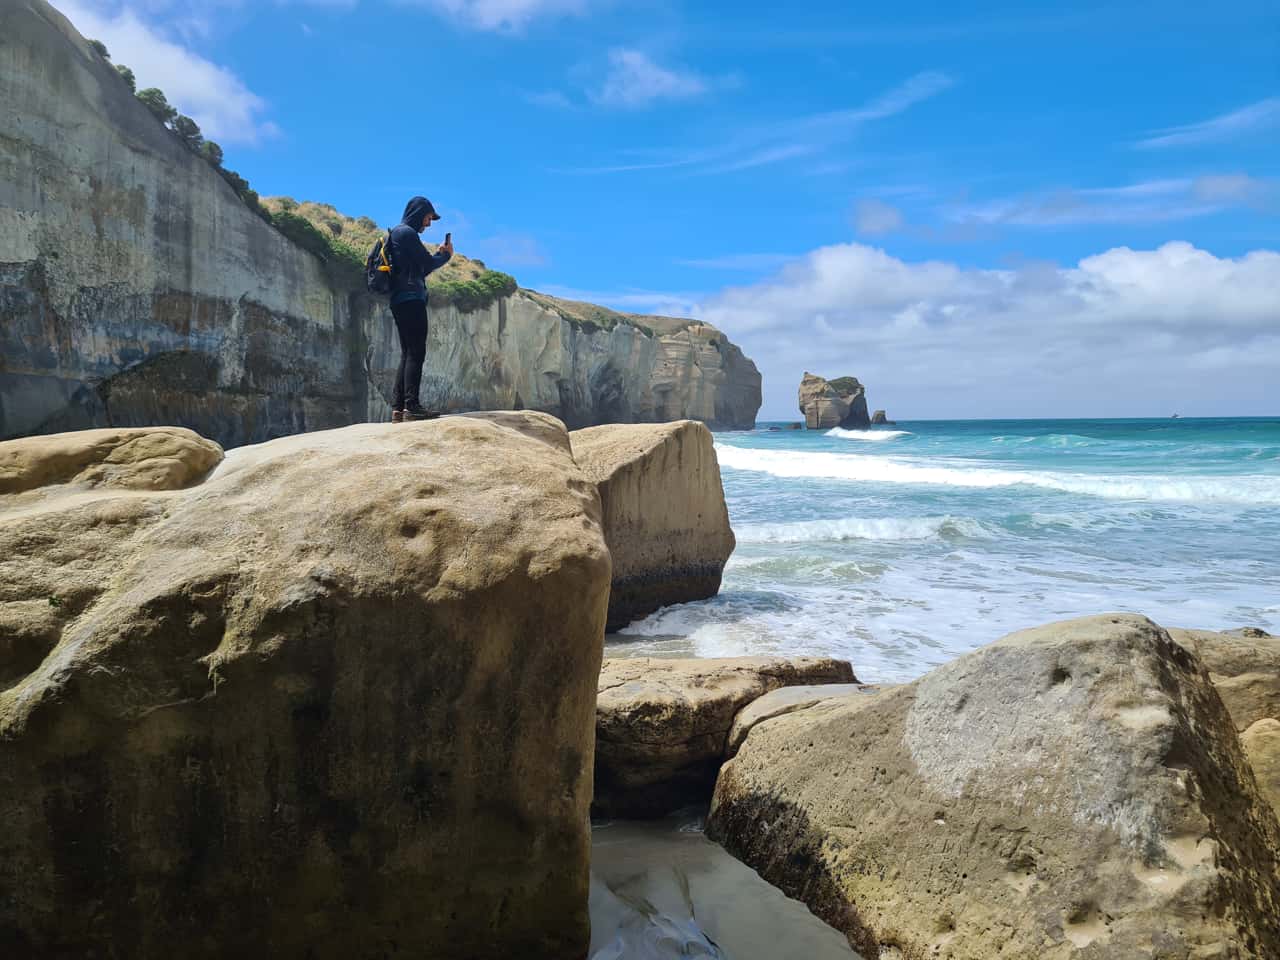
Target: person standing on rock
[411,263]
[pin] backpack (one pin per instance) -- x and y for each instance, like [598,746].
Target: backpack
[377,267]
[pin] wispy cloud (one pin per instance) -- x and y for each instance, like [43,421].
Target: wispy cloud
[786,139]
[1256,117]
[741,261]
[635,80]
[875,217]
[1151,201]
[508,15]
[212,95]
[548,98]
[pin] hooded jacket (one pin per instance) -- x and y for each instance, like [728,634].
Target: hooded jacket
[410,261]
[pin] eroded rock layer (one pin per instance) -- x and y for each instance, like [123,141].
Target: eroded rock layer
[662,725]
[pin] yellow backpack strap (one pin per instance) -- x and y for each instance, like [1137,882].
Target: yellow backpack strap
[386,264]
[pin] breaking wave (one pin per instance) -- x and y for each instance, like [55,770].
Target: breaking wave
[878,469]
[874,435]
[858,528]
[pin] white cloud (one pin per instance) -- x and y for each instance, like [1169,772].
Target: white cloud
[226,109]
[1263,115]
[1123,332]
[874,217]
[635,80]
[504,14]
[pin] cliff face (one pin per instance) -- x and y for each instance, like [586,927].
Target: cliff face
[136,288]
[520,353]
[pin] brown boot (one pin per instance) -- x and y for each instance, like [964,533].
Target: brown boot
[397,416]
[418,413]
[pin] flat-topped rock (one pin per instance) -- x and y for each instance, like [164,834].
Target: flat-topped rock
[661,725]
[665,518]
[336,700]
[1071,792]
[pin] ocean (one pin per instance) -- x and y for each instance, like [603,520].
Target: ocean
[899,548]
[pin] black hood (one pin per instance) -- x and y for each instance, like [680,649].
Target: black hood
[416,211]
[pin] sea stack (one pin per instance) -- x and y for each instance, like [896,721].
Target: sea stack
[833,403]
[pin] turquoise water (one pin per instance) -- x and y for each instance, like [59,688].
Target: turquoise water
[901,547]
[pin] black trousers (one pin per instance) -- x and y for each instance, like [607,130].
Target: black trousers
[411,323]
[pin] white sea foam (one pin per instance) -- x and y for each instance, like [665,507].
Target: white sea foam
[957,473]
[859,528]
[873,435]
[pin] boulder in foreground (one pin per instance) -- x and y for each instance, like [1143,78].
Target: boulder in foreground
[661,725]
[335,701]
[665,517]
[1073,791]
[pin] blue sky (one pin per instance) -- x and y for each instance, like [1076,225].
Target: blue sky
[992,210]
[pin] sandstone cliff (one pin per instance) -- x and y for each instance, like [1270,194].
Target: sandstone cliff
[334,700]
[137,288]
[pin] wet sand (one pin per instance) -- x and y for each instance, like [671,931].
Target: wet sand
[660,890]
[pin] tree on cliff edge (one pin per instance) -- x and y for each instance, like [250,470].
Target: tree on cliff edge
[127,75]
[100,48]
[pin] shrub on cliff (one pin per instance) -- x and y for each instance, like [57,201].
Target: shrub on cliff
[100,48]
[470,295]
[155,101]
[188,130]
[211,152]
[127,76]
[343,264]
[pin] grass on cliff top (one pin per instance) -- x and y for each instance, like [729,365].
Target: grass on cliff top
[463,282]
[592,316]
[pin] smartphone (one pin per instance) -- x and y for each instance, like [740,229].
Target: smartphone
[448,238]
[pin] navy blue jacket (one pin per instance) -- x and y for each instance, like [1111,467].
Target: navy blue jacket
[410,261]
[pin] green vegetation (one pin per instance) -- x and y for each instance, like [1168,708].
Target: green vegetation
[469,295]
[155,101]
[344,265]
[189,131]
[100,48]
[211,153]
[127,76]
[845,385]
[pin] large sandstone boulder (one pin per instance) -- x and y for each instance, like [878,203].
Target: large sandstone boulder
[1244,666]
[337,700]
[662,725]
[665,517]
[833,403]
[1073,791]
